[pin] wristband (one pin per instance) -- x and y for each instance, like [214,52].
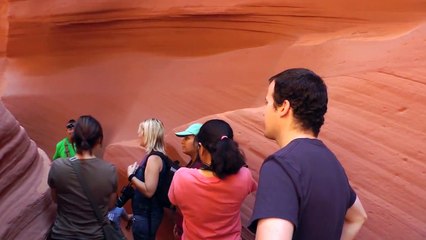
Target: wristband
[130,177]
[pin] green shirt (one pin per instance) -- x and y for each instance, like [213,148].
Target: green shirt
[61,149]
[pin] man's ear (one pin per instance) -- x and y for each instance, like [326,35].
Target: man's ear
[284,108]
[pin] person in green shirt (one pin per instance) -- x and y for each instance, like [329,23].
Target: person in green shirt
[65,148]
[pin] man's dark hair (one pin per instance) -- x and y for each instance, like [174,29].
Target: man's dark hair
[216,136]
[87,133]
[70,124]
[307,94]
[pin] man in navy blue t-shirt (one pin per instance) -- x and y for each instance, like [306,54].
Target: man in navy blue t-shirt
[303,190]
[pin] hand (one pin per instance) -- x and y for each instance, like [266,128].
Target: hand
[131,169]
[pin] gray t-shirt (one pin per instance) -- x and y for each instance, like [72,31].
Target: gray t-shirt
[75,216]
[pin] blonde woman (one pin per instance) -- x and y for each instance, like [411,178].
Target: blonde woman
[145,177]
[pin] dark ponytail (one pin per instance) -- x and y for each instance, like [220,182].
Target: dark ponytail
[216,136]
[87,134]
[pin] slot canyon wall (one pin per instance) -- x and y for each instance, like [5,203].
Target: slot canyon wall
[26,205]
[187,61]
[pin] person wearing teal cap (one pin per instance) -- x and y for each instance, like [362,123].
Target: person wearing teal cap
[190,148]
[189,145]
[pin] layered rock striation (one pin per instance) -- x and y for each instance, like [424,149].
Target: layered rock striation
[26,205]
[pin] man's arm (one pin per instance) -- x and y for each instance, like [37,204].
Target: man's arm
[57,153]
[58,149]
[275,212]
[354,219]
[274,228]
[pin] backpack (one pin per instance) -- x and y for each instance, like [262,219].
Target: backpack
[161,194]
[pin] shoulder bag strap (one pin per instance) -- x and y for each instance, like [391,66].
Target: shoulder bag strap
[76,166]
[67,150]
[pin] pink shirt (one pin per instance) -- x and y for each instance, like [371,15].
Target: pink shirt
[210,206]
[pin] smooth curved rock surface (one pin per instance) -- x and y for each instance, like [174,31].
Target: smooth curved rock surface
[4,26]
[26,205]
[183,60]
[179,61]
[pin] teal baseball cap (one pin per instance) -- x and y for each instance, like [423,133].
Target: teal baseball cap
[193,129]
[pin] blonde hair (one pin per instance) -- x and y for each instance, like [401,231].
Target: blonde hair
[153,135]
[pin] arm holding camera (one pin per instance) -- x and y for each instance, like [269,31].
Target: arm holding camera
[152,174]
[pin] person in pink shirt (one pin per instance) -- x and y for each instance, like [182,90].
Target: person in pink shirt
[210,198]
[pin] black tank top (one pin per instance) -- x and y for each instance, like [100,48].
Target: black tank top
[141,203]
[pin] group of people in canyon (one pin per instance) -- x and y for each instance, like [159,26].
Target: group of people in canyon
[302,192]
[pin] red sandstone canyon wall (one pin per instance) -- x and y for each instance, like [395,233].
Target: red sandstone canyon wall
[26,206]
[185,61]
[4,24]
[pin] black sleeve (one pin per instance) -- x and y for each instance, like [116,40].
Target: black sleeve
[276,195]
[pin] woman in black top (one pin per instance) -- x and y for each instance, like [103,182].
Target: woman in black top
[145,177]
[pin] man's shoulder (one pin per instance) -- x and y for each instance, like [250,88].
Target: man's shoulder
[281,156]
[286,158]
[297,149]
[61,142]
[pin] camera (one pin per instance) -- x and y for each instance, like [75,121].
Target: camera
[126,193]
